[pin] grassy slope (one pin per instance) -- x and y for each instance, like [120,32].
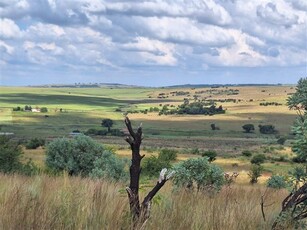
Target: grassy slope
[30,203]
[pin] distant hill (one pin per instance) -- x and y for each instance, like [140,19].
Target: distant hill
[216,85]
[86,85]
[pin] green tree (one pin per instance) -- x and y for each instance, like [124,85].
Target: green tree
[10,154]
[254,173]
[258,159]
[298,102]
[200,173]
[153,165]
[248,128]
[108,123]
[210,154]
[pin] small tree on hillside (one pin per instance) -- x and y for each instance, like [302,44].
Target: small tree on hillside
[108,123]
[248,128]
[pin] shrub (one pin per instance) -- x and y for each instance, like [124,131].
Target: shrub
[195,151]
[35,143]
[167,155]
[44,110]
[247,153]
[281,140]
[267,129]
[10,154]
[210,154]
[258,159]
[277,182]
[254,173]
[200,173]
[29,169]
[76,156]
[109,166]
[153,165]
[248,128]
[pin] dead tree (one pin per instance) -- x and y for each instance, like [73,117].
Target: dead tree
[295,205]
[140,212]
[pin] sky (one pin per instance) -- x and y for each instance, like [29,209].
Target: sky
[152,43]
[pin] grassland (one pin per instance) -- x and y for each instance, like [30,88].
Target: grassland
[73,203]
[83,108]
[78,203]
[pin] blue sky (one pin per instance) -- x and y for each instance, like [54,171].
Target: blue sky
[152,43]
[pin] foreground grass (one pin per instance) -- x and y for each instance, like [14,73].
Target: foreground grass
[44,202]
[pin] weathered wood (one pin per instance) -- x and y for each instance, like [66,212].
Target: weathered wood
[140,213]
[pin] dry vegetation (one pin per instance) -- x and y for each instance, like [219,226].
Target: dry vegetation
[73,203]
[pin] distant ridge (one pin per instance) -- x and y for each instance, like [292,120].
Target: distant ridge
[85,85]
[218,85]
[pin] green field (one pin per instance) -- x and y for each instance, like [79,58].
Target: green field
[84,108]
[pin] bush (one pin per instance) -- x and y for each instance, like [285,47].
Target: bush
[248,128]
[76,156]
[153,165]
[109,166]
[10,154]
[200,173]
[210,154]
[44,110]
[277,182]
[247,153]
[258,159]
[267,129]
[35,143]
[167,155]
[281,140]
[254,173]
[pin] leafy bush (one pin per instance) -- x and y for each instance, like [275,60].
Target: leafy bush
[35,143]
[247,153]
[167,155]
[200,173]
[277,181]
[109,166]
[258,159]
[44,110]
[210,154]
[281,140]
[29,168]
[248,128]
[267,129]
[76,156]
[254,173]
[153,165]
[10,154]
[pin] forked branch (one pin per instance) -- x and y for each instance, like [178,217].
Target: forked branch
[139,212]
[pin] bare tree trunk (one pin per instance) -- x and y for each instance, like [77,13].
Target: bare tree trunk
[290,205]
[140,213]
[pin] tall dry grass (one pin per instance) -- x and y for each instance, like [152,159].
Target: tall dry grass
[44,202]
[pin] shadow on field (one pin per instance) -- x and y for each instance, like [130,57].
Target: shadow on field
[34,99]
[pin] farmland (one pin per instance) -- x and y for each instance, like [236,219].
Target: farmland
[84,108]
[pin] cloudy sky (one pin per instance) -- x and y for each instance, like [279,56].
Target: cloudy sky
[152,42]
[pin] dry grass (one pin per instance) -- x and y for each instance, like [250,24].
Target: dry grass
[73,203]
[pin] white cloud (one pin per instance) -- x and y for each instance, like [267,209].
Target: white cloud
[126,35]
[8,29]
